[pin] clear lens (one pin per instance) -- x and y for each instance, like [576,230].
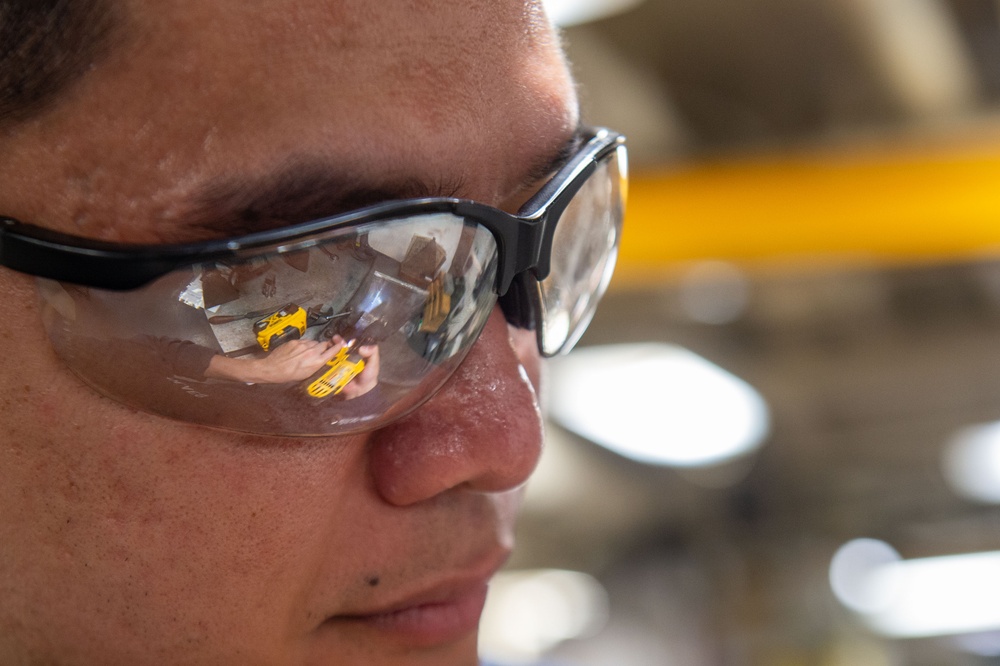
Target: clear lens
[336,334]
[584,249]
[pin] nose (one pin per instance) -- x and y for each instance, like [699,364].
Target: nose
[481,432]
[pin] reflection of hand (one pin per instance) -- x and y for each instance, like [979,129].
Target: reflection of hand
[293,361]
[367,378]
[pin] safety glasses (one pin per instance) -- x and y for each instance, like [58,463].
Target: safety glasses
[333,326]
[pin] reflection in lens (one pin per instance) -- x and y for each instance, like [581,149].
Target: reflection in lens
[584,249]
[331,335]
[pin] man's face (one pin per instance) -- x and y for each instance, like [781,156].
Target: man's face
[126,538]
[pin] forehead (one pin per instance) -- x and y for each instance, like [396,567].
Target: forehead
[465,92]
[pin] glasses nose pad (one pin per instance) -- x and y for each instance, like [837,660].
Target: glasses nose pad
[520,304]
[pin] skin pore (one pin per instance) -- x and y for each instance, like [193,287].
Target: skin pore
[130,539]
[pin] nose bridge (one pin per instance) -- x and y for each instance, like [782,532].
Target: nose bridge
[481,432]
[519,240]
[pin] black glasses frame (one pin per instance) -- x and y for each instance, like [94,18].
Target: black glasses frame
[524,241]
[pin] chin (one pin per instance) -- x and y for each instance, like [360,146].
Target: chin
[371,652]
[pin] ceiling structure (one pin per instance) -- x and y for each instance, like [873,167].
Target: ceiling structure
[688,76]
[871,357]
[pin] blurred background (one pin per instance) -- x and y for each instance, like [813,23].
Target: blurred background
[778,444]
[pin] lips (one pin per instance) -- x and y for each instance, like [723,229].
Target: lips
[437,614]
[424,624]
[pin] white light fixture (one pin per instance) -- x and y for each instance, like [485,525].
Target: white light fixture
[934,596]
[657,403]
[984,644]
[714,292]
[851,571]
[529,612]
[972,463]
[573,12]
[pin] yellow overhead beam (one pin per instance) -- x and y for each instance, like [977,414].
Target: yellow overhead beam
[881,204]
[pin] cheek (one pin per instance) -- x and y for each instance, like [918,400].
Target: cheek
[218,548]
[104,511]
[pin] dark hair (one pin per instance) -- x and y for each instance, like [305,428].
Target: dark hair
[45,46]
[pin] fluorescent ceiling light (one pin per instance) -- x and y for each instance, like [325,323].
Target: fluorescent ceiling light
[573,12]
[714,292]
[934,596]
[984,644]
[851,571]
[529,612]
[972,463]
[657,403]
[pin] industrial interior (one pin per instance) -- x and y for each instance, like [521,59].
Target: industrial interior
[788,451]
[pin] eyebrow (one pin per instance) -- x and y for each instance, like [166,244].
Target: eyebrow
[304,189]
[299,190]
[548,165]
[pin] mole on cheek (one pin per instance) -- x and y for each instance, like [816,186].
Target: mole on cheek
[372,581]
